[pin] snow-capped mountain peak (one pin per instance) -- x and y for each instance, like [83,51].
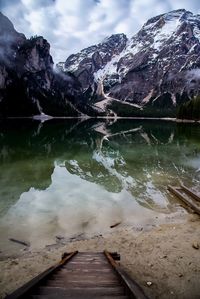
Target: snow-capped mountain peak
[151,64]
[95,57]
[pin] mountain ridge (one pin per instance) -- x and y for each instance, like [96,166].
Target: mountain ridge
[150,74]
[153,67]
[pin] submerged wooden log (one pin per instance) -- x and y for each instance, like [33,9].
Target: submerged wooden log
[116,224]
[188,202]
[190,192]
[20,242]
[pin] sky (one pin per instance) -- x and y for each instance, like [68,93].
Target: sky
[71,25]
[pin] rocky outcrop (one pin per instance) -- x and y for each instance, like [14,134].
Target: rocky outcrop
[29,85]
[158,68]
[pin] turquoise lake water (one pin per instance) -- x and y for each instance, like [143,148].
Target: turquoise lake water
[79,177]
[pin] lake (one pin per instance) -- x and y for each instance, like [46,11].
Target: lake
[76,178]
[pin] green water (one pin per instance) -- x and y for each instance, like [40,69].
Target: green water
[73,177]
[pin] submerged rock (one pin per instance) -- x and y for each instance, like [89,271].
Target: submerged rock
[195,245]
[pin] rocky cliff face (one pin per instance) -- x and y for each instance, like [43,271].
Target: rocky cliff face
[28,83]
[148,74]
[86,63]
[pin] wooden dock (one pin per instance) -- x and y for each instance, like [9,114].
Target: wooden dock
[189,197]
[84,275]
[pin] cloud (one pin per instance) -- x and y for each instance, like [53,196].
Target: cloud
[70,26]
[6,50]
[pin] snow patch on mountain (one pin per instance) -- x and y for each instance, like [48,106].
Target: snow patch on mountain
[147,70]
[165,32]
[109,69]
[156,34]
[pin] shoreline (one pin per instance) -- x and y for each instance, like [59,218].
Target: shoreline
[47,118]
[163,255]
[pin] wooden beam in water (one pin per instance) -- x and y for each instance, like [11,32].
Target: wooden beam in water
[190,192]
[188,202]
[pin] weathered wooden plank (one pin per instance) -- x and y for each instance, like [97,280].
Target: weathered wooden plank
[85,271]
[107,275]
[89,254]
[85,281]
[93,274]
[84,285]
[100,291]
[134,289]
[188,202]
[73,268]
[87,276]
[90,260]
[38,279]
[190,192]
[88,263]
[66,296]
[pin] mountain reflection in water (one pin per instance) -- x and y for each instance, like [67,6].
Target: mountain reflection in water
[72,176]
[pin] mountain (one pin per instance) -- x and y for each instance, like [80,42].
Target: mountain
[29,85]
[85,64]
[149,74]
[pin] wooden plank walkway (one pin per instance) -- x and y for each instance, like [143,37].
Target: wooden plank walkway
[84,275]
[191,199]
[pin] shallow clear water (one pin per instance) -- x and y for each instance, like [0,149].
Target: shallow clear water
[73,177]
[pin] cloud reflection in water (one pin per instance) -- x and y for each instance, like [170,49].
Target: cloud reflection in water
[71,206]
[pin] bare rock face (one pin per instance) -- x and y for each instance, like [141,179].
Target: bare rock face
[163,53]
[28,83]
[156,69]
[87,62]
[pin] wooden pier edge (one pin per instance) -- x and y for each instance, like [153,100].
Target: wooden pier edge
[36,280]
[184,199]
[130,288]
[134,289]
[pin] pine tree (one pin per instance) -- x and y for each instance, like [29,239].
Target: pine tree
[190,109]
